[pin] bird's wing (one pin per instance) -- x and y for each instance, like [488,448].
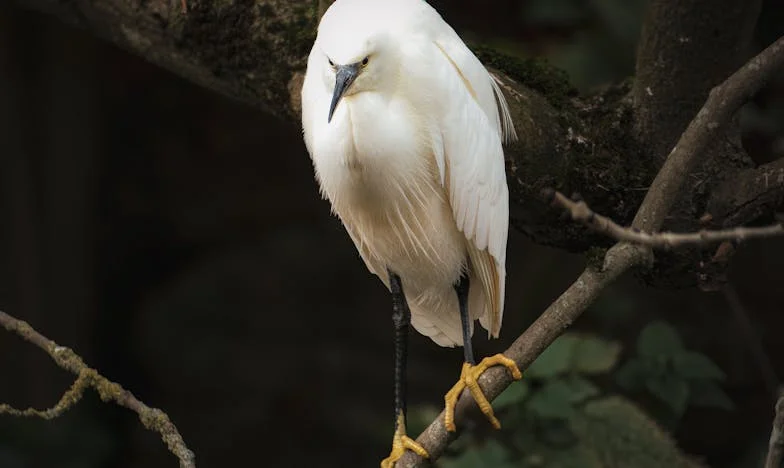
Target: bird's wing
[471,164]
[482,86]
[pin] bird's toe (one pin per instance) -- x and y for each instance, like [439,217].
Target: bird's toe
[400,443]
[469,377]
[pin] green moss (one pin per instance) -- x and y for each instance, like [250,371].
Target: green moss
[254,47]
[534,73]
[300,30]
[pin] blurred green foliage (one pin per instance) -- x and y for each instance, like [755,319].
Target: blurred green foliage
[604,35]
[566,411]
[594,41]
[674,375]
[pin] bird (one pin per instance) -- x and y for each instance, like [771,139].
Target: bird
[405,129]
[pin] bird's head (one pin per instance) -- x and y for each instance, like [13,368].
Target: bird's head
[356,49]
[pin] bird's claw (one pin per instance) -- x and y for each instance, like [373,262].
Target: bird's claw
[399,448]
[401,442]
[468,379]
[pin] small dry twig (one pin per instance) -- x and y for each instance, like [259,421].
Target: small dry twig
[87,377]
[776,444]
[581,212]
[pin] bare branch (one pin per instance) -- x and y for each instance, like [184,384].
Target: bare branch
[87,377]
[776,444]
[723,102]
[580,211]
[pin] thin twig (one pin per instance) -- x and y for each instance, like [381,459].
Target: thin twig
[87,377]
[718,110]
[776,444]
[581,212]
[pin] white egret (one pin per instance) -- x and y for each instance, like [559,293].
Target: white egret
[404,126]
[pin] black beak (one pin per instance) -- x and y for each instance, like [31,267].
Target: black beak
[346,74]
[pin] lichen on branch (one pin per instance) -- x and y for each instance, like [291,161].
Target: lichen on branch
[88,378]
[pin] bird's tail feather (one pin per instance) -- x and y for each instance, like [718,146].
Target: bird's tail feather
[436,315]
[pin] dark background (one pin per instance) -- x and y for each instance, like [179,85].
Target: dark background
[177,241]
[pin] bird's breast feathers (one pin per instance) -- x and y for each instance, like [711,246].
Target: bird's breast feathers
[370,148]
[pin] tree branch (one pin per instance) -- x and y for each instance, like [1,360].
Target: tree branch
[580,211]
[87,377]
[721,105]
[776,444]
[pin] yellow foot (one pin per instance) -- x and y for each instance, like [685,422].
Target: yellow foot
[401,442]
[468,378]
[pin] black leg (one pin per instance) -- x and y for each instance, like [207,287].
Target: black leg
[471,372]
[401,318]
[461,288]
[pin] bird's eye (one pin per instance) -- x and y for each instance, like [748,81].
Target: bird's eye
[331,63]
[365,61]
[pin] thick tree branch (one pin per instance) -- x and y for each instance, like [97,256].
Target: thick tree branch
[255,52]
[87,377]
[722,104]
[580,211]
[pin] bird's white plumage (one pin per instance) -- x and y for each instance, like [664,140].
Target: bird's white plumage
[412,160]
